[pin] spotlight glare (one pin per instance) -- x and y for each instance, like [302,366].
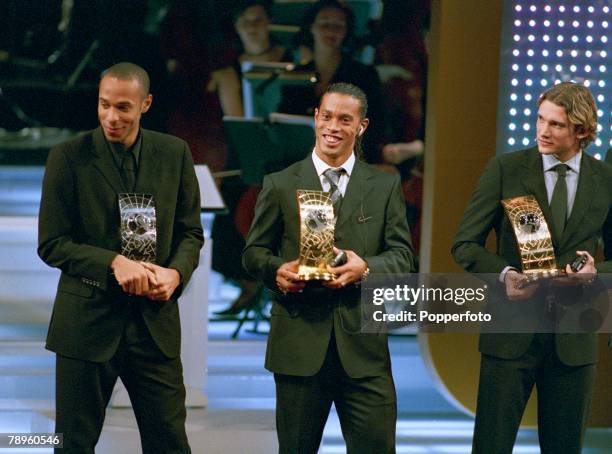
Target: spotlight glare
[561,23]
[560,38]
[588,53]
[513,97]
[544,52]
[590,24]
[602,69]
[514,82]
[531,38]
[562,8]
[544,82]
[576,9]
[532,23]
[529,68]
[573,68]
[574,53]
[532,8]
[517,38]
[511,141]
[516,52]
[528,82]
[526,126]
[587,68]
[604,24]
[559,53]
[518,8]
[604,39]
[515,67]
[527,112]
[525,141]
[517,23]
[545,38]
[512,111]
[530,52]
[574,39]
[511,126]
[546,23]
[528,97]
[603,54]
[591,9]
[576,24]
[558,68]
[589,39]
[587,83]
[547,8]
[598,142]
[601,98]
[544,67]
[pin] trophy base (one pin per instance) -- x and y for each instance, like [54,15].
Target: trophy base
[307,273]
[537,275]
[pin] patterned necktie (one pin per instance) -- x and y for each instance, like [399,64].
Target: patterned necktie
[128,170]
[558,202]
[333,177]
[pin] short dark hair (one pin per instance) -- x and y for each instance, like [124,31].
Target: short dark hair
[351,90]
[129,71]
[243,5]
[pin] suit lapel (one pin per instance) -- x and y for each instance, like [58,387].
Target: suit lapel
[533,182]
[358,188]
[148,175]
[307,174]
[104,162]
[588,187]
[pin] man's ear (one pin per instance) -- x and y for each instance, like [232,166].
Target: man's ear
[146,103]
[581,132]
[363,125]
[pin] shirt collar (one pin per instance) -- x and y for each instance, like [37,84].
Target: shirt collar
[549,161]
[321,166]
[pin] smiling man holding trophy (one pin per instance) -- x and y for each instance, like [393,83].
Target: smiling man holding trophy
[328,209]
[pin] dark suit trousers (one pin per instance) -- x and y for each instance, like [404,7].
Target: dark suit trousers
[366,407]
[564,397]
[154,384]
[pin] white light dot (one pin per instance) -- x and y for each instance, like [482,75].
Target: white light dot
[573,68]
[531,38]
[532,23]
[604,39]
[525,141]
[528,97]
[518,8]
[513,97]
[589,39]
[606,9]
[576,9]
[600,113]
[561,23]
[560,38]
[543,82]
[514,82]
[547,8]
[576,24]
[557,81]
[587,83]
[546,23]
[559,53]
[526,126]
[517,23]
[598,142]
[516,52]
[532,8]
[588,53]
[590,24]
[545,52]
[515,67]
[527,112]
[602,68]
[604,24]
[544,67]
[529,68]
[597,156]
[511,141]
[603,54]
[512,112]
[591,9]
[558,68]
[587,68]
[517,38]
[530,52]
[545,38]
[574,39]
[574,53]
[562,8]
[528,82]
[601,98]
[511,126]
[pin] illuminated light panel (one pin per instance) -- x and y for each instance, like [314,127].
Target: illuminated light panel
[546,43]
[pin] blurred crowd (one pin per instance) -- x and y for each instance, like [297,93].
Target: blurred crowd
[194,51]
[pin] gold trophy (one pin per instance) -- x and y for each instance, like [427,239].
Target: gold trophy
[317,224]
[533,238]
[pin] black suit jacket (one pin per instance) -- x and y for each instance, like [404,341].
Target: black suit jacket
[79,233]
[371,222]
[521,173]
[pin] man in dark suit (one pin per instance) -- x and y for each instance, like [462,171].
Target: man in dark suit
[574,192]
[316,348]
[115,316]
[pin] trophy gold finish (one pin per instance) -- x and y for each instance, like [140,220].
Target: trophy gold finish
[533,238]
[316,235]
